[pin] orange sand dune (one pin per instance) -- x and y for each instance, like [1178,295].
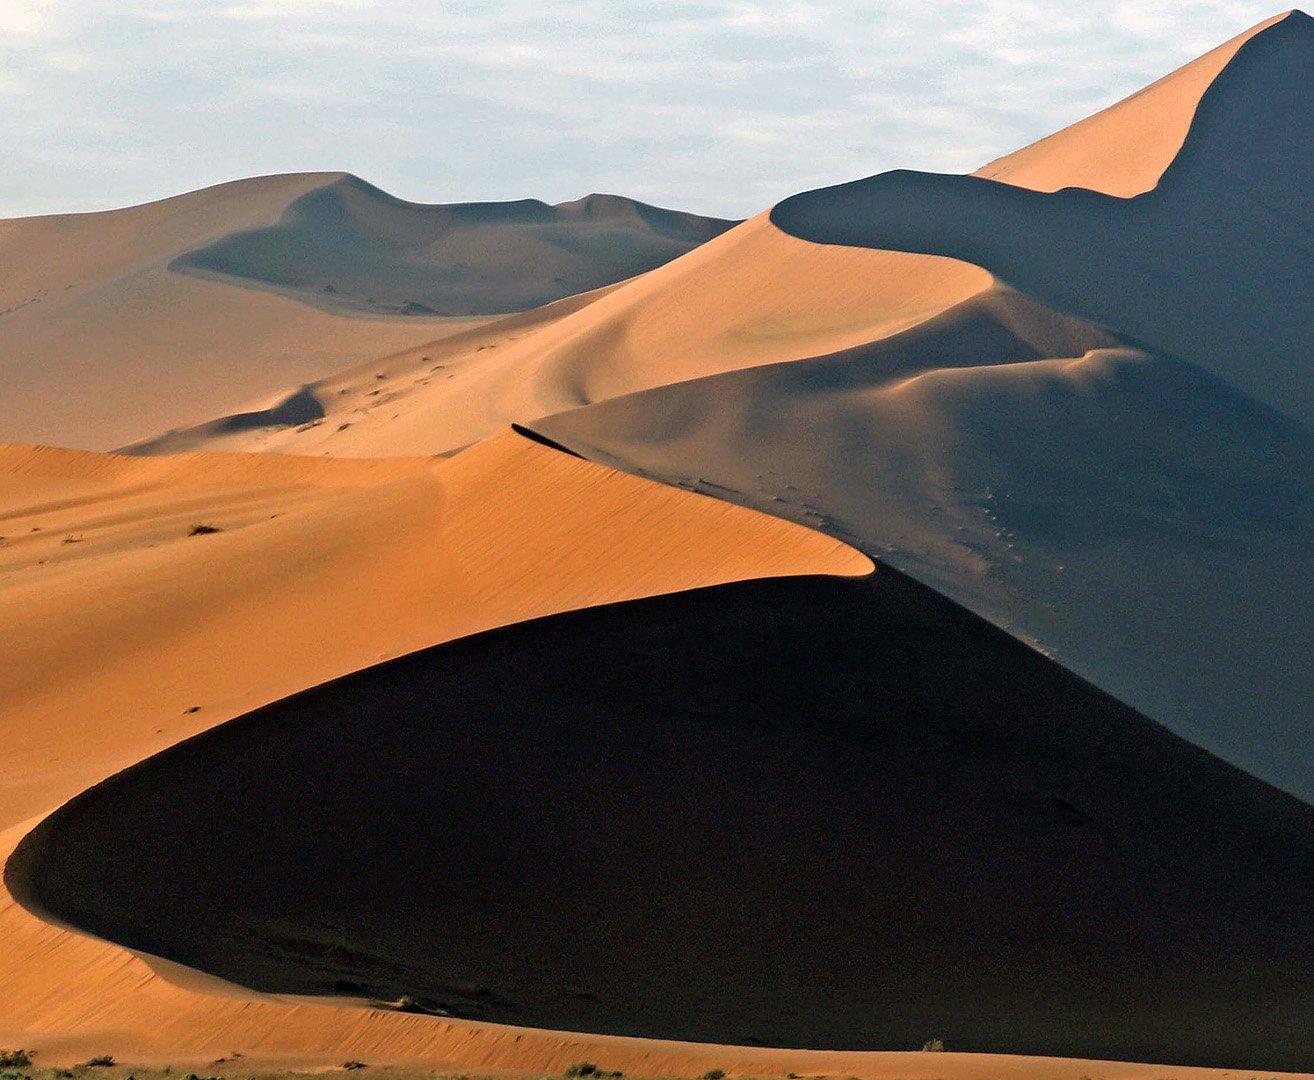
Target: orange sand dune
[1122,150]
[322,567]
[101,344]
[802,812]
[754,296]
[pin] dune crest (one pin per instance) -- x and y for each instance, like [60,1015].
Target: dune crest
[1123,150]
[347,246]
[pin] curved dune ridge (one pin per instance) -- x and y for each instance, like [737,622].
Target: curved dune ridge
[320,568]
[1134,517]
[754,296]
[350,246]
[596,822]
[751,296]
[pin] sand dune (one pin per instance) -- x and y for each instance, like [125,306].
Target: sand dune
[321,567]
[755,296]
[1137,519]
[1122,150]
[1211,265]
[629,836]
[117,326]
[752,296]
[348,246]
[100,344]
[592,731]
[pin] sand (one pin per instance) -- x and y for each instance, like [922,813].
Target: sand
[749,813]
[117,326]
[1012,369]
[321,567]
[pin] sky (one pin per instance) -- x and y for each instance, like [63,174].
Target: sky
[720,108]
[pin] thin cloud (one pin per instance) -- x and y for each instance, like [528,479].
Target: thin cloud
[721,107]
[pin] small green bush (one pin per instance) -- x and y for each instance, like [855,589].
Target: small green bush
[714,1074]
[15,1059]
[935,1046]
[100,1061]
[581,1068]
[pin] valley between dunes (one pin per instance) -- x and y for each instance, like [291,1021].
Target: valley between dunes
[855,626]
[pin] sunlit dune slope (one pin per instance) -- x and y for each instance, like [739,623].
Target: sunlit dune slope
[119,621]
[809,812]
[751,296]
[1122,150]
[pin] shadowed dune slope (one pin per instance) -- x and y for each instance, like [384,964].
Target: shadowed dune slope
[321,567]
[350,246]
[808,811]
[1211,265]
[1136,518]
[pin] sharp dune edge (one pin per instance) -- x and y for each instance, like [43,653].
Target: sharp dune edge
[748,369]
[413,542]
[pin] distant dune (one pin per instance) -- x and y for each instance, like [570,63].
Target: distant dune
[1212,264]
[348,246]
[105,340]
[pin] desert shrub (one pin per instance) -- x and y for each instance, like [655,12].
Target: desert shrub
[933,1045]
[15,1059]
[581,1068]
[100,1061]
[202,530]
[714,1074]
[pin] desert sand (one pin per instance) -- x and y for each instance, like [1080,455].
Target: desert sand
[608,723]
[116,326]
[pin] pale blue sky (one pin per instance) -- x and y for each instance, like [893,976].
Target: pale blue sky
[723,108]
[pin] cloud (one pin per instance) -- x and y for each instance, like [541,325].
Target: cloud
[721,107]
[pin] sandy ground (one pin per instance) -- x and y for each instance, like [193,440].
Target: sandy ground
[321,567]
